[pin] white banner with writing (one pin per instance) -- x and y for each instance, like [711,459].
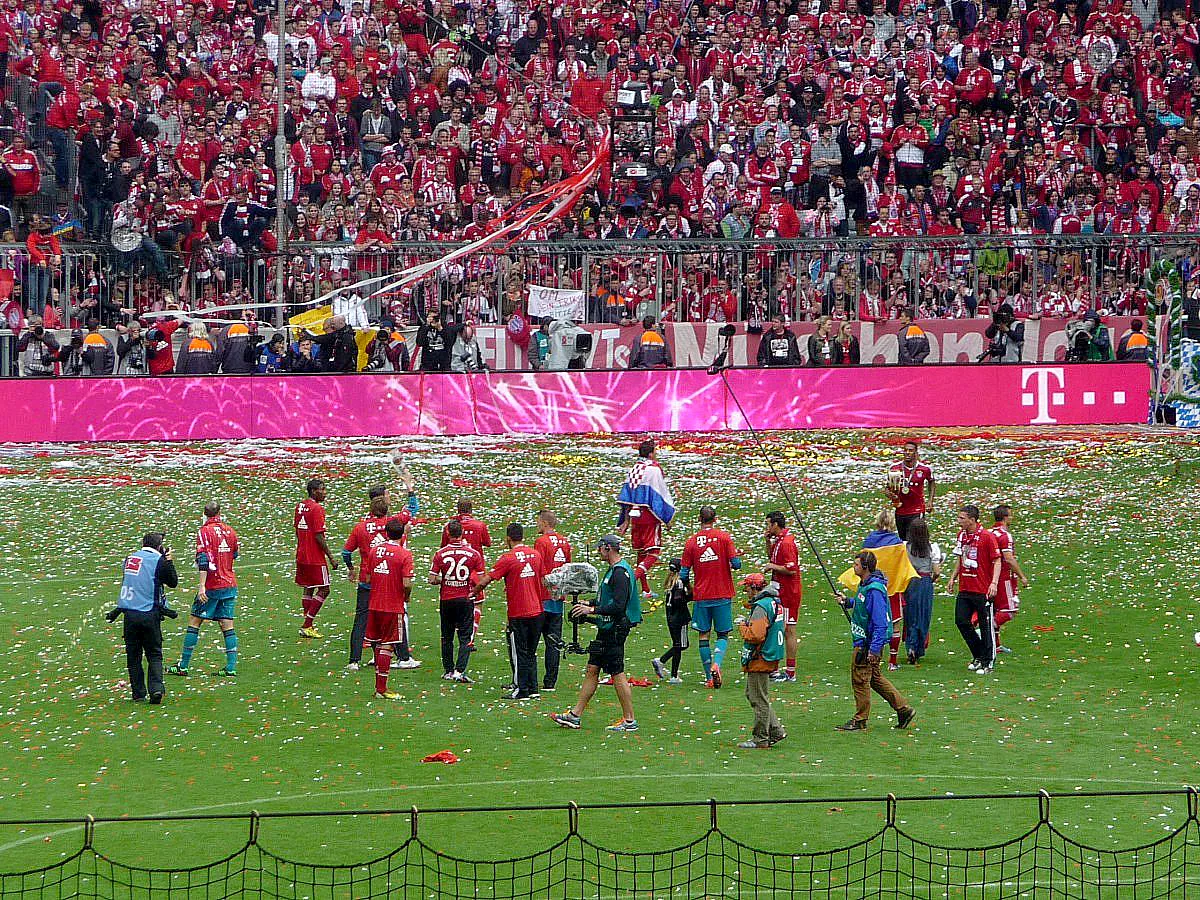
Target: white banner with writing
[556,303]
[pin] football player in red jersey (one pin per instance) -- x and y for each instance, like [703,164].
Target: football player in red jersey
[784,568]
[640,520]
[368,532]
[521,569]
[1007,602]
[555,551]
[913,491]
[475,533]
[391,581]
[312,554]
[708,558]
[216,549]
[977,576]
[454,569]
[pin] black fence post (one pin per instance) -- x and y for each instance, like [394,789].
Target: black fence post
[254,823]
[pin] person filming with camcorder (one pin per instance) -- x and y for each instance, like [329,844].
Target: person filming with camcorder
[1005,336]
[615,611]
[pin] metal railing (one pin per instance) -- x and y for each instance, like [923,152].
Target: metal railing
[960,274]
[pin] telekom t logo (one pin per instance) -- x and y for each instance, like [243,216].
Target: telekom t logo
[1042,396]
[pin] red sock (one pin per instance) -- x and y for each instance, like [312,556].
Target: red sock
[305,602]
[642,580]
[895,645]
[383,662]
[790,666]
[314,607]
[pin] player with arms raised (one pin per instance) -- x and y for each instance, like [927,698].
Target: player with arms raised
[314,558]
[454,569]
[646,506]
[911,488]
[367,533]
[391,581]
[1007,601]
[708,559]
[216,549]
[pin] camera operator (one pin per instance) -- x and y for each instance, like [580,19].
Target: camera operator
[617,609]
[432,342]
[1006,336]
[465,355]
[131,350]
[146,573]
[71,356]
[37,349]
[569,346]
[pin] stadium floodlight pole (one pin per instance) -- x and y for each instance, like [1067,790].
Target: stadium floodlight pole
[721,364]
[281,150]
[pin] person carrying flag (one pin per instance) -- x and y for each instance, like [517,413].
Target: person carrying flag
[646,506]
[892,562]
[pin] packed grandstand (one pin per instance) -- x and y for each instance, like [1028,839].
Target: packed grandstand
[140,168]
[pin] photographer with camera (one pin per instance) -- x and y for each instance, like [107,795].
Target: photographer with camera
[569,346]
[141,601]
[617,609]
[131,350]
[37,350]
[1006,336]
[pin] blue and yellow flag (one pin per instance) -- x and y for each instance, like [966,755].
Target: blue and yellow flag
[891,558]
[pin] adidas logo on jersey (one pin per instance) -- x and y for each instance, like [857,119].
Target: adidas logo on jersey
[527,571]
[302,525]
[378,539]
[709,555]
[382,568]
[559,556]
[223,547]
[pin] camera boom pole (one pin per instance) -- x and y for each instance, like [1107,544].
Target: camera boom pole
[779,481]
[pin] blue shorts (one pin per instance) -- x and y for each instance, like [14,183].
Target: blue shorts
[218,606]
[713,615]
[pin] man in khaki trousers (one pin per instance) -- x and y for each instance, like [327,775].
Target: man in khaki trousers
[870,630]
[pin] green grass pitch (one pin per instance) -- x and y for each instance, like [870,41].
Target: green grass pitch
[1100,693]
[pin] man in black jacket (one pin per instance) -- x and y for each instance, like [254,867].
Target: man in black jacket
[778,346]
[340,349]
[912,342]
[434,343]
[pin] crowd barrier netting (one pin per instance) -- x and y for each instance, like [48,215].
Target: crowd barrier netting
[620,401]
[886,860]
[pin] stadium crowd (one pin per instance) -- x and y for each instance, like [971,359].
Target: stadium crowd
[150,125]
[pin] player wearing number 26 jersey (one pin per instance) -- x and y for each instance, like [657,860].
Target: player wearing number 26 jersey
[456,568]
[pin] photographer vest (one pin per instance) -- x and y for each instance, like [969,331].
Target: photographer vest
[139,586]
[633,609]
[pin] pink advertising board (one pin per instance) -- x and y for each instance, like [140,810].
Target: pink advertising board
[695,344]
[220,407]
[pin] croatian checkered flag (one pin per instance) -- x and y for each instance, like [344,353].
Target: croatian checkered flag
[647,486]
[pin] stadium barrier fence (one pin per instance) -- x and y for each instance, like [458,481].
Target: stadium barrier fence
[756,270]
[579,402]
[887,858]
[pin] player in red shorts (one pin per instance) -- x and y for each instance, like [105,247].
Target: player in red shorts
[784,568]
[314,558]
[911,488]
[645,507]
[475,534]
[1007,601]
[391,581]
